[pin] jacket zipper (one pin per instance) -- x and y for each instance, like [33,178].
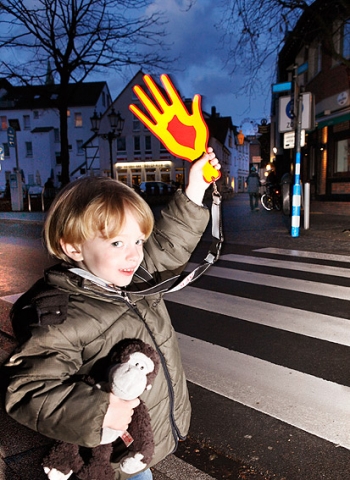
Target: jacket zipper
[132,305]
[174,428]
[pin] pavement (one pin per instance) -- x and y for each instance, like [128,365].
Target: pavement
[328,231]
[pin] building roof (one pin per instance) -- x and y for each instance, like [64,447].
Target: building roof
[219,126]
[45,96]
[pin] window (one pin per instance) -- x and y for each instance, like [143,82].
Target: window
[35,114]
[121,144]
[6,149]
[29,149]
[162,148]
[26,122]
[3,122]
[341,38]
[137,147]
[80,150]
[342,159]
[136,125]
[148,144]
[346,40]
[58,158]
[78,120]
[56,133]
[314,60]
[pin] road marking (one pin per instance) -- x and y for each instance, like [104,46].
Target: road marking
[304,286]
[301,253]
[299,266]
[315,325]
[312,404]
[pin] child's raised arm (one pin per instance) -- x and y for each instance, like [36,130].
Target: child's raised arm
[197,185]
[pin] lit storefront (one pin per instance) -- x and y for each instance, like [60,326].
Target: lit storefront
[133,173]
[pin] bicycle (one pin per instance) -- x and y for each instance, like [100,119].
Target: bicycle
[271,199]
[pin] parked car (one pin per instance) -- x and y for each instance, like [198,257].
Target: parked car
[155,188]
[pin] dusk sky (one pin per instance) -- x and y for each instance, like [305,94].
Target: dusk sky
[201,65]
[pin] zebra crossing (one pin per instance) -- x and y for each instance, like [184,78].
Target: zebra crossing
[315,402]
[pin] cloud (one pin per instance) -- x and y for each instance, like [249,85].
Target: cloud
[201,56]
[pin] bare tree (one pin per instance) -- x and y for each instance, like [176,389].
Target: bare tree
[254,31]
[77,36]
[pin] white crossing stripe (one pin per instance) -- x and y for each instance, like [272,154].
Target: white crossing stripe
[303,322]
[304,254]
[298,266]
[305,286]
[312,404]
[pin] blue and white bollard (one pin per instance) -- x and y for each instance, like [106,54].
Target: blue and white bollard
[296,200]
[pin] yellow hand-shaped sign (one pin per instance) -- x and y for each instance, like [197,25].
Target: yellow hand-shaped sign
[182,134]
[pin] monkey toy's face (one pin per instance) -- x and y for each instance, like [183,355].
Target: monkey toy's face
[129,380]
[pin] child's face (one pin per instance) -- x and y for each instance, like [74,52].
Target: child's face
[116,259]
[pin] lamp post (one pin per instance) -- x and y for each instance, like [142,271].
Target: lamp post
[117,123]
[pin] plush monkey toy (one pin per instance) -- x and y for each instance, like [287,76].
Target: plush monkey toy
[134,367]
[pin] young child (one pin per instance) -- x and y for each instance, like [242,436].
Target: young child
[103,233]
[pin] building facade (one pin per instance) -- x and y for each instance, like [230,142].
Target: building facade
[138,156]
[36,149]
[323,48]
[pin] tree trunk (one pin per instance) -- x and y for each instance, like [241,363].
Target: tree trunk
[63,109]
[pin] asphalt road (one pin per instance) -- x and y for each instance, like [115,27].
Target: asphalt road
[230,437]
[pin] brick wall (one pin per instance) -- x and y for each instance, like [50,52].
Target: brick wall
[341,187]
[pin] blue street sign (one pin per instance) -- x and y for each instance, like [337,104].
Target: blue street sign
[11,134]
[302,68]
[281,87]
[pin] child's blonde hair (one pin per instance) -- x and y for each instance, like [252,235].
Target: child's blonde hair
[89,206]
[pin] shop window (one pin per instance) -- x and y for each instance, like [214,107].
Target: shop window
[342,159]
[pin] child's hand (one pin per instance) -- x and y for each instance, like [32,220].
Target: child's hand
[119,413]
[197,185]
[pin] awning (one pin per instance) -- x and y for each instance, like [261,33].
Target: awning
[333,120]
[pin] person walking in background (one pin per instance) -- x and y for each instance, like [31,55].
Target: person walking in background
[253,183]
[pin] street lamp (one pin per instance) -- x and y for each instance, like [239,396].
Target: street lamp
[116,122]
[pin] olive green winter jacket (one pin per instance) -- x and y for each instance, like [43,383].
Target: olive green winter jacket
[46,390]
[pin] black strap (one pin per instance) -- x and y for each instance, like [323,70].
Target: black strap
[178,282]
